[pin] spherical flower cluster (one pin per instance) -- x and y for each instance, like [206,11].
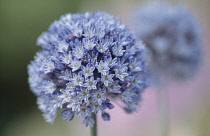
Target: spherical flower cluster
[87,62]
[172,37]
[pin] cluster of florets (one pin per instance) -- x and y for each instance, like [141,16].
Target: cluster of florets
[87,62]
[172,37]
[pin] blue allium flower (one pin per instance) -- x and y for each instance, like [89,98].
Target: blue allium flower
[87,62]
[172,37]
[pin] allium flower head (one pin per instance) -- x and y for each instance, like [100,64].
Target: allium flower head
[87,62]
[172,37]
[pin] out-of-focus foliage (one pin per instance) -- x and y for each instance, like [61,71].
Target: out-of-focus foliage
[21,22]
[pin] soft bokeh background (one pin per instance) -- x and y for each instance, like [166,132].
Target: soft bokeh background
[22,21]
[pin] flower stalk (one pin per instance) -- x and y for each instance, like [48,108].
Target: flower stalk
[163,104]
[93,130]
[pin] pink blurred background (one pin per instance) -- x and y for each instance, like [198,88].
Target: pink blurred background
[189,101]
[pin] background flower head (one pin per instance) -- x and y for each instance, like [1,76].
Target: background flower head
[87,62]
[173,38]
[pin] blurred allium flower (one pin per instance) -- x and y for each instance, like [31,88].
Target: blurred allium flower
[87,62]
[172,37]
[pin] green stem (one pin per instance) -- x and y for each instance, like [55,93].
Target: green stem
[163,99]
[93,130]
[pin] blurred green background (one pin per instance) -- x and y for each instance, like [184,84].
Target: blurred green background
[22,21]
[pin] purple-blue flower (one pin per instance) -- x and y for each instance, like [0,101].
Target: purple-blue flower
[86,61]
